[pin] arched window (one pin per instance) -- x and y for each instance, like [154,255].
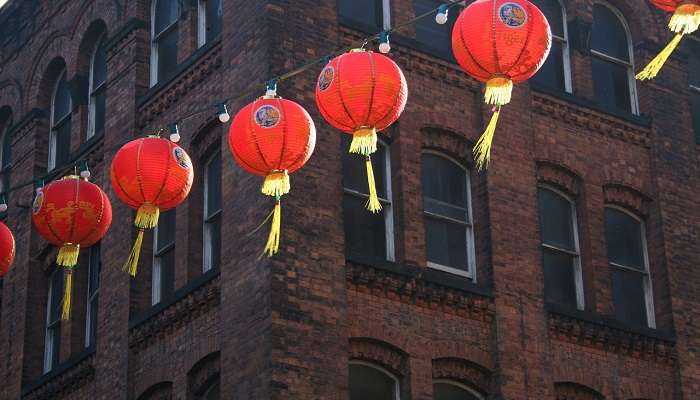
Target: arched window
[96,99]
[5,152]
[159,391]
[449,233]
[372,382]
[163,274]
[164,37]
[448,390]
[561,257]
[59,137]
[555,73]
[212,212]
[367,235]
[627,256]
[209,13]
[213,392]
[612,63]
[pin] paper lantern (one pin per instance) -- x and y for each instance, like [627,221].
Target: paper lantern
[684,21]
[272,137]
[500,42]
[71,213]
[7,249]
[150,175]
[360,93]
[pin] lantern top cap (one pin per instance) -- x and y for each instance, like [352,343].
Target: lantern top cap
[359,50]
[71,176]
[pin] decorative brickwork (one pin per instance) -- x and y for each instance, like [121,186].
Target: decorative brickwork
[463,371]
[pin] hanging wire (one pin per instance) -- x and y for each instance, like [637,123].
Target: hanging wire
[80,158]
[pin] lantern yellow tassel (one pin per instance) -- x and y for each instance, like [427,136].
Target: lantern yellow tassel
[68,288]
[498,91]
[364,141]
[147,216]
[373,203]
[482,148]
[273,240]
[686,19]
[276,183]
[132,262]
[652,69]
[68,255]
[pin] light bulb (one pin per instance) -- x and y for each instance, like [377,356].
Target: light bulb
[3,207]
[384,47]
[174,137]
[441,18]
[85,173]
[224,117]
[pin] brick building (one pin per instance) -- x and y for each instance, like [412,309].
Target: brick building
[568,271]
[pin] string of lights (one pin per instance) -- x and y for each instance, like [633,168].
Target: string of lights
[80,166]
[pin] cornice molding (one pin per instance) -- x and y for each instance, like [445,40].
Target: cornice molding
[74,376]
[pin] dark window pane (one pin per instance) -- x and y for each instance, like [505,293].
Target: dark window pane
[166,229]
[355,173]
[214,12]
[214,183]
[95,267]
[166,14]
[553,11]
[611,84]
[559,283]
[430,33]
[100,105]
[55,333]
[608,35]
[99,65]
[443,180]
[367,12]
[213,393]
[628,295]
[56,300]
[6,150]
[364,231]
[693,63]
[62,100]
[214,227]
[446,243]
[445,391]
[167,274]
[551,74]
[623,235]
[167,53]
[695,110]
[92,328]
[367,383]
[556,223]
[62,133]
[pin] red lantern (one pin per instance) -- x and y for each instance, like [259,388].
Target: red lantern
[71,213]
[272,137]
[7,249]
[150,175]
[500,42]
[685,20]
[360,93]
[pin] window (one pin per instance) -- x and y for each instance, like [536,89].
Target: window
[613,70]
[374,14]
[431,34]
[209,15]
[366,234]
[163,257]
[370,382]
[447,390]
[449,234]
[94,268]
[164,38]
[59,137]
[555,73]
[213,392]
[212,212]
[694,82]
[98,73]
[52,340]
[5,155]
[627,256]
[561,259]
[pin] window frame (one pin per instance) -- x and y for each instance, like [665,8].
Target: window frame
[629,65]
[576,254]
[91,297]
[208,218]
[202,22]
[469,225]
[157,267]
[564,41]
[93,91]
[646,274]
[51,327]
[459,385]
[55,125]
[387,203]
[397,381]
[155,38]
